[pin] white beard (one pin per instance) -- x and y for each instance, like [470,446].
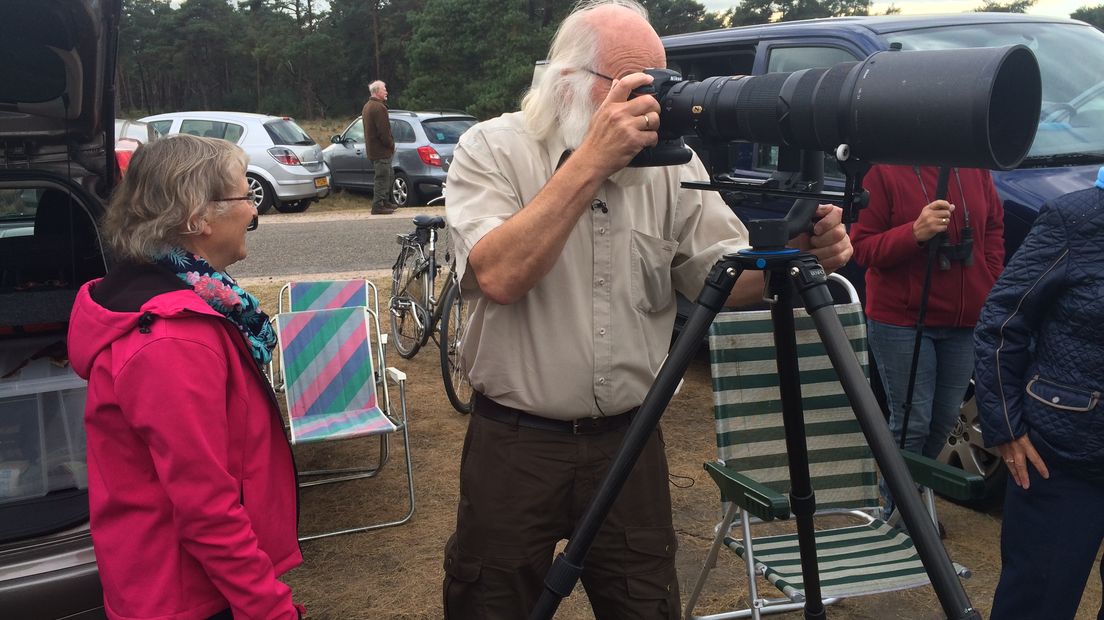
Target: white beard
[575,114]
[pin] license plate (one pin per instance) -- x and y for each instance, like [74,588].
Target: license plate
[321,182]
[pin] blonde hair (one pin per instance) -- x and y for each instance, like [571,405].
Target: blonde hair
[574,47]
[168,189]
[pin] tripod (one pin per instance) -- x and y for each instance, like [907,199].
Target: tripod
[785,269]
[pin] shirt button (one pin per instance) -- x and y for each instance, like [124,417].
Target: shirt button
[601,380]
[601,231]
[601,282]
[602,331]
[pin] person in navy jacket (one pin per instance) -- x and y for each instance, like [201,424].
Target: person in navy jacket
[1039,373]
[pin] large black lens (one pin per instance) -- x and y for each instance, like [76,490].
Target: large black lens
[973,108]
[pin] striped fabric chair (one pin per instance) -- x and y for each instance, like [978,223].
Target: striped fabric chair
[336,387]
[864,555]
[324,294]
[321,295]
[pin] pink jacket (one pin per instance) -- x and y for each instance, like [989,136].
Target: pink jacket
[191,484]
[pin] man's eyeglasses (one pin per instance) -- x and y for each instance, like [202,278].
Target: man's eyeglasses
[601,75]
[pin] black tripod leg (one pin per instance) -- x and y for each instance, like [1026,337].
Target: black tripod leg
[568,566]
[802,499]
[948,588]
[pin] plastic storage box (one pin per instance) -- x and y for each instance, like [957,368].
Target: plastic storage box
[42,442]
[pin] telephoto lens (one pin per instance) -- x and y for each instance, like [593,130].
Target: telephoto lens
[973,108]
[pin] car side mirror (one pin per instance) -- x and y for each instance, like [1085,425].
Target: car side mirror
[336,139]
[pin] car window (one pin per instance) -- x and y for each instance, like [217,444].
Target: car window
[1071,63]
[402,131]
[789,59]
[794,58]
[161,127]
[355,132]
[212,129]
[285,132]
[446,130]
[17,211]
[699,65]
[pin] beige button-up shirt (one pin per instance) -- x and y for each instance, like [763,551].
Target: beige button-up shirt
[589,339]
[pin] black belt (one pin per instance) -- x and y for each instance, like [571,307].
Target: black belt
[491,410]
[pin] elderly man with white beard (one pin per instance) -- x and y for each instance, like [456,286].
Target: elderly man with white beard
[571,261]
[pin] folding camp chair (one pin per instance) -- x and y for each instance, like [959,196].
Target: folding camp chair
[863,556]
[322,295]
[336,385]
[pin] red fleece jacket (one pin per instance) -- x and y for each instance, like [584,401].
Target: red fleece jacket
[895,262]
[191,484]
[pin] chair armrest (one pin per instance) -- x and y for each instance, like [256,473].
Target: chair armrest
[396,375]
[947,480]
[758,499]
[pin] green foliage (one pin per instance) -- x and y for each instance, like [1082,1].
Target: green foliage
[1090,14]
[1013,6]
[315,58]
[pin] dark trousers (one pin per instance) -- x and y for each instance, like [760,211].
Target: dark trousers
[383,178]
[1050,537]
[524,489]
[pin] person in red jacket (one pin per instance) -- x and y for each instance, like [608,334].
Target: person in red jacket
[191,483]
[891,240]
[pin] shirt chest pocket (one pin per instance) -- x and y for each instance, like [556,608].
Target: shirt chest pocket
[651,272]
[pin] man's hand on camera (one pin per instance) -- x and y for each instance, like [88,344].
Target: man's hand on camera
[829,241]
[621,127]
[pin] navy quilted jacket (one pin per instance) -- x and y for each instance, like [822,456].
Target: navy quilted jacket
[1040,338]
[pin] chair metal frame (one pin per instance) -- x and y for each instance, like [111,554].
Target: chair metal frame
[383,377]
[864,515]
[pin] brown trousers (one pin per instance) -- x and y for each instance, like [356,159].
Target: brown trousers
[522,490]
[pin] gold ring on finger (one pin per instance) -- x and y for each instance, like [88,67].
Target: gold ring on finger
[647,123]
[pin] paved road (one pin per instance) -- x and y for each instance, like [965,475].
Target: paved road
[324,244]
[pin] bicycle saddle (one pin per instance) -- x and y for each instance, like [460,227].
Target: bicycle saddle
[429,221]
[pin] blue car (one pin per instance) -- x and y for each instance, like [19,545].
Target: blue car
[1067,151]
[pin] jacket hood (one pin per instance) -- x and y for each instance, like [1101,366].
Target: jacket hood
[98,321]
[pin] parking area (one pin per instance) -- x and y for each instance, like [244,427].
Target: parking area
[397,572]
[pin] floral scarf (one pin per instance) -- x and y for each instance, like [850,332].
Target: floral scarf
[223,294]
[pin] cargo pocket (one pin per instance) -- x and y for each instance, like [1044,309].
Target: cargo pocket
[650,576]
[651,272]
[461,577]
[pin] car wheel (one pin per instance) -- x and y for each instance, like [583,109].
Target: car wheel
[294,206]
[966,450]
[261,192]
[402,192]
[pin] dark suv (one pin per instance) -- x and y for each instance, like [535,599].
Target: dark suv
[57,164]
[1067,151]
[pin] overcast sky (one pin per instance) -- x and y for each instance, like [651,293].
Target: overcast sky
[1055,8]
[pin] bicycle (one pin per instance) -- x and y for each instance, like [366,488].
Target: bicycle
[419,314]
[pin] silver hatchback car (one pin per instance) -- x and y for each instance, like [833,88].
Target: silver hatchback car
[285,171]
[424,142]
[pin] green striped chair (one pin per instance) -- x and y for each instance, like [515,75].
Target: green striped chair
[864,555]
[337,388]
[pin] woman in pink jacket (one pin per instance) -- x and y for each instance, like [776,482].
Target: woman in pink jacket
[191,484]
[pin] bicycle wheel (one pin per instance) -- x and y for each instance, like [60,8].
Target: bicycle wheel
[408,317]
[454,322]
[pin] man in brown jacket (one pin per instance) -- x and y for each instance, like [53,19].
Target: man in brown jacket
[380,147]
